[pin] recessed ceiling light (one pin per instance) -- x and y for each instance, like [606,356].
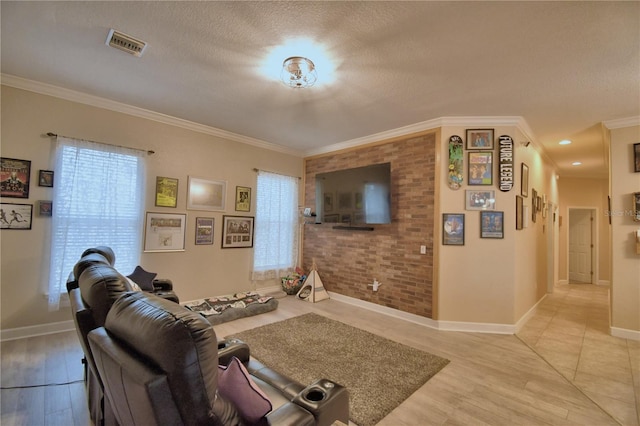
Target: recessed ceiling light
[564,142]
[576,163]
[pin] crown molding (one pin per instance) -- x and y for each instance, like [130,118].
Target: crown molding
[99,102]
[622,123]
[489,121]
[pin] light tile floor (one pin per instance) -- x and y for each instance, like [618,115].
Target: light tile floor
[570,330]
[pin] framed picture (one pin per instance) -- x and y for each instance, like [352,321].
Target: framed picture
[636,206]
[328,202]
[15,216]
[345,200]
[204,230]
[14,177]
[480,168]
[205,194]
[479,138]
[243,198]
[45,208]
[237,231]
[636,157]
[491,224]
[164,232]
[45,178]
[524,180]
[519,212]
[480,200]
[166,192]
[534,205]
[453,229]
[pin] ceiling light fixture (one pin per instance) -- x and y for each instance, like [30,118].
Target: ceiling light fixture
[298,72]
[564,142]
[576,163]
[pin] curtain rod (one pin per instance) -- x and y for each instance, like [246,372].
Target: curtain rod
[52,135]
[275,173]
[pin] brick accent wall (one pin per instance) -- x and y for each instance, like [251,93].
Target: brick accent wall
[349,260]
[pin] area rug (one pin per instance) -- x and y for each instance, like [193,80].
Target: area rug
[378,373]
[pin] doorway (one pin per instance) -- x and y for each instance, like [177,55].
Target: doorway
[581,245]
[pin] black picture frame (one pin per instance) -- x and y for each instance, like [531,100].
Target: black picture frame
[636,207]
[519,212]
[45,208]
[15,176]
[491,224]
[453,229]
[524,180]
[204,230]
[480,139]
[166,192]
[237,231]
[636,157]
[45,178]
[480,168]
[16,216]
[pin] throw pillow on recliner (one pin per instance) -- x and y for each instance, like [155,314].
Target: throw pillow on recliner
[143,278]
[235,385]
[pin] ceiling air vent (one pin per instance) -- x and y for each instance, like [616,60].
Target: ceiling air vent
[126,43]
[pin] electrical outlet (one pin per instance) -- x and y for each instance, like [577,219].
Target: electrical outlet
[423,249]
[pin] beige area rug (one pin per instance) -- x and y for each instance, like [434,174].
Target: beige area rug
[378,373]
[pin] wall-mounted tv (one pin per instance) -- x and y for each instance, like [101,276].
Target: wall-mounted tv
[358,196]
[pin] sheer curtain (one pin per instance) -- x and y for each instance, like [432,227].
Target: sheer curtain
[98,199]
[275,250]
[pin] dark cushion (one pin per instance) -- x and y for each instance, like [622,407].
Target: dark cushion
[105,251]
[100,286]
[235,384]
[143,278]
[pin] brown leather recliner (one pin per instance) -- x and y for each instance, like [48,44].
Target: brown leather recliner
[159,363]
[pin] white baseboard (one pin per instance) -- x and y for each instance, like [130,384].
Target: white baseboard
[474,327]
[563,282]
[605,283]
[531,312]
[625,333]
[36,330]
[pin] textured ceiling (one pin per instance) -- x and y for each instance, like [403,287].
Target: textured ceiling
[564,67]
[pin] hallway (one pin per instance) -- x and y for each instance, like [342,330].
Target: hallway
[570,330]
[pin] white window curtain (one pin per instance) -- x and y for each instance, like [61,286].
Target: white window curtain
[98,199]
[277,226]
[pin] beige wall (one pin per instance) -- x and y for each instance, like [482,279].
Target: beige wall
[591,194]
[199,271]
[625,267]
[493,280]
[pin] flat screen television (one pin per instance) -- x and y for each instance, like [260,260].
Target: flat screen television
[358,196]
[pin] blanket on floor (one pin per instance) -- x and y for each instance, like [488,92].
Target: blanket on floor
[230,307]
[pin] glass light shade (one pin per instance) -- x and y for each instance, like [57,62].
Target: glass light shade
[298,72]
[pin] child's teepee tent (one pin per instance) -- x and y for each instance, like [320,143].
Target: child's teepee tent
[312,289]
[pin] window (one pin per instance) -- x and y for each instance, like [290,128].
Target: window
[98,199]
[276,228]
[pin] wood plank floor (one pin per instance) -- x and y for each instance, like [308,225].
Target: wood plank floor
[491,379]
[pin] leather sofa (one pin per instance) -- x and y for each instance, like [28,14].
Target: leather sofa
[93,286]
[131,366]
[159,362]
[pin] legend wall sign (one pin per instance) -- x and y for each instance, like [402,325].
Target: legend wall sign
[506,174]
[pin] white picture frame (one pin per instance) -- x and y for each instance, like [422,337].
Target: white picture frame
[206,194]
[164,232]
[480,199]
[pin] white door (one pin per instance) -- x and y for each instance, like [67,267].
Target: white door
[580,245]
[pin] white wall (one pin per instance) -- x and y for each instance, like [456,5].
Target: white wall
[625,268]
[199,271]
[493,281]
